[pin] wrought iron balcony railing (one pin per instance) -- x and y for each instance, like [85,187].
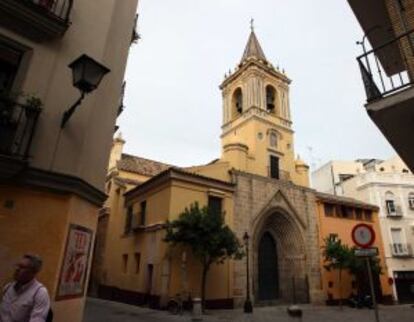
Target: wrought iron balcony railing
[385,69]
[36,19]
[17,127]
[396,213]
[401,250]
[58,8]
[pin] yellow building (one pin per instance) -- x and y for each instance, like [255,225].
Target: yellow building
[258,182]
[52,178]
[337,216]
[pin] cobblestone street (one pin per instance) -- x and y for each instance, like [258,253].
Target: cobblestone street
[98,310]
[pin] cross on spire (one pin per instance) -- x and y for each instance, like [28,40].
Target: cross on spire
[252,24]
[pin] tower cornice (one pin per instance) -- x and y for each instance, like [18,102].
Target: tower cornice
[264,66]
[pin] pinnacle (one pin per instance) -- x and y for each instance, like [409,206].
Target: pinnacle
[253,48]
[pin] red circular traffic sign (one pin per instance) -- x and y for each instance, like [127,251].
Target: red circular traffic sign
[363,235]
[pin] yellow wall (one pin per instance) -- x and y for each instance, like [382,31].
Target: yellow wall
[164,202]
[38,223]
[342,227]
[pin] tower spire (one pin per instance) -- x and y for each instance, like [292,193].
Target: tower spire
[253,48]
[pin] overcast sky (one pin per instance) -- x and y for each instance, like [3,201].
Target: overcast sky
[173,103]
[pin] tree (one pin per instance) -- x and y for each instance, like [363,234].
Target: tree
[205,233]
[357,266]
[336,256]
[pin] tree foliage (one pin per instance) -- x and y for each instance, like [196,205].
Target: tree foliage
[338,256]
[211,241]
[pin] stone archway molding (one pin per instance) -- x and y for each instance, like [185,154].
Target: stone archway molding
[278,201]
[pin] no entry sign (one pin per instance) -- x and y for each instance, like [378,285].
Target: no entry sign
[363,235]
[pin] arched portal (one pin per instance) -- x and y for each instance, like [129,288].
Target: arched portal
[279,259]
[268,270]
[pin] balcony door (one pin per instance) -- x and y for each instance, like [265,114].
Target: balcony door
[274,167]
[9,65]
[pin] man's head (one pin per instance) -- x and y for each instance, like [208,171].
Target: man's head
[27,268]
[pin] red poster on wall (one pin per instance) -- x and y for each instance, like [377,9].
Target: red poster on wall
[74,269]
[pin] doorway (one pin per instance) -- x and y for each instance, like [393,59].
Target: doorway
[268,269]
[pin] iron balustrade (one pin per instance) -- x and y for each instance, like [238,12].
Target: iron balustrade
[382,80]
[401,250]
[58,8]
[17,127]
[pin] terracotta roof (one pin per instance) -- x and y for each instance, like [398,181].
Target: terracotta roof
[345,200]
[140,165]
[124,181]
[179,174]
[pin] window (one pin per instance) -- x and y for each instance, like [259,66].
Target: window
[339,211]
[273,140]
[270,98]
[333,237]
[143,215]
[390,204]
[390,207]
[411,200]
[358,214]
[238,101]
[274,167]
[347,212]
[137,262]
[125,263]
[329,210]
[368,215]
[398,247]
[215,204]
[9,63]
[128,220]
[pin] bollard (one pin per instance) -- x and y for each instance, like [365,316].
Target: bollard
[197,310]
[295,312]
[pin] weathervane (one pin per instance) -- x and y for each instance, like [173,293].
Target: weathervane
[252,24]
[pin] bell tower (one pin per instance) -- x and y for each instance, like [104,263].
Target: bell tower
[257,135]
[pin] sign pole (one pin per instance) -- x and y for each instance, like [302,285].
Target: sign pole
[371,284]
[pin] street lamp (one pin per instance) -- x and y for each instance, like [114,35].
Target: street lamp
[248,307]
[87,74]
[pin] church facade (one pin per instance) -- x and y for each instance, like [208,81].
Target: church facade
[259,184]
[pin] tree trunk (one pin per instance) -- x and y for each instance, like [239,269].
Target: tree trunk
[340,288]
[203,285]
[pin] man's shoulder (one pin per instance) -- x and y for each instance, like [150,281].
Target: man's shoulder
[40,290]
[6,287]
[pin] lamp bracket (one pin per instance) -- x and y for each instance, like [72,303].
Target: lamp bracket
[68,113]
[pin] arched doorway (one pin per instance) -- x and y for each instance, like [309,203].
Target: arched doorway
[268,269]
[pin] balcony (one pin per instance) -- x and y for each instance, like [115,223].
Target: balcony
[401,250]
[17,127]
[387,73]
[39,20]
[395,213]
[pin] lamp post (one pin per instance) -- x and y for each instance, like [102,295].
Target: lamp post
[87,74]
[248,307]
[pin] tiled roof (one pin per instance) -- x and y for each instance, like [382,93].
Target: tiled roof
[140,165]
[344,200]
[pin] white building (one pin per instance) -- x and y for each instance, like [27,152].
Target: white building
[389,185]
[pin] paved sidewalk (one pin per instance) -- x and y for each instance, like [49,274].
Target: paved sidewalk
[99,310]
